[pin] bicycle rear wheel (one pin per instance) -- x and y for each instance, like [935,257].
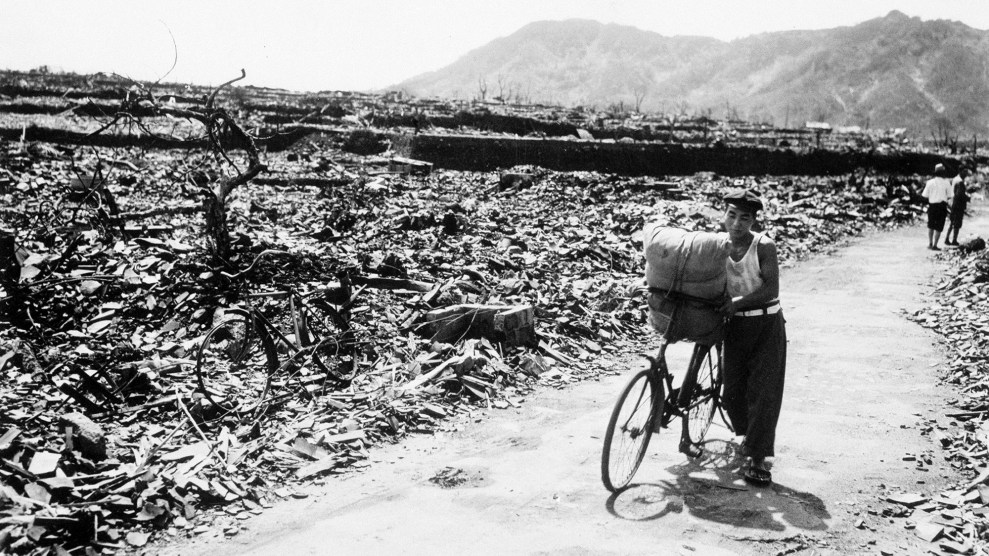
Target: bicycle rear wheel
[233,367]
[332,341]
[699,410]
[630,429]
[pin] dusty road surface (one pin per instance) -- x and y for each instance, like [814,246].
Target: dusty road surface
[860,384]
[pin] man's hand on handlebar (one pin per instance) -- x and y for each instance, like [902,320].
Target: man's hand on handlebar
[727,307]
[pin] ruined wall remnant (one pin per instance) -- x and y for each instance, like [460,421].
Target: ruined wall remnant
[655,159]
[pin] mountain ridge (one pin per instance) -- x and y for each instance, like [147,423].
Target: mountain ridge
[887,72]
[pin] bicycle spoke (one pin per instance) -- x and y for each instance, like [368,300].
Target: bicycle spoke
[643,401]
[700,410]
[232,366]
[331,342]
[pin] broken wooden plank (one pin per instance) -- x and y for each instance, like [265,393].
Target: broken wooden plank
[377,282]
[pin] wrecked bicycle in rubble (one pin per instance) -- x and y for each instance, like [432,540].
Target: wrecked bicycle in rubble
[649,402]
[278,345]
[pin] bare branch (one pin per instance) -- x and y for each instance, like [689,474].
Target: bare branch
[175,52]
[218,128]
[212,97]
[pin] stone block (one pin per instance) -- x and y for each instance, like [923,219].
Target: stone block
[513,325]
[88,437]
[511,180]
[516,326]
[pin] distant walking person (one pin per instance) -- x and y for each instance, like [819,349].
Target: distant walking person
[959,202]
[938,192]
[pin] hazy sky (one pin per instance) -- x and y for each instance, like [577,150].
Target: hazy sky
[367,44]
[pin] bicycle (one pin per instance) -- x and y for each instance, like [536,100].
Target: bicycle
[239,367]
[649,395]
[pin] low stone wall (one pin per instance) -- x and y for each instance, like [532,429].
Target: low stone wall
[272,140]
[655,159]
[483,153]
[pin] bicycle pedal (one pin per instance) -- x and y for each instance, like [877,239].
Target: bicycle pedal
[668,415]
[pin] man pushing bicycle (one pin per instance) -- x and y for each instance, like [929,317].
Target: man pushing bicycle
[755,340]
[720,292]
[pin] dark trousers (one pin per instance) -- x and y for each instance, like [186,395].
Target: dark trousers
[936,214]
[955,219]
[755,366]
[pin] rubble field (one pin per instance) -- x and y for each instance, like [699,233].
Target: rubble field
[955,520]
[107,439]
[452,291]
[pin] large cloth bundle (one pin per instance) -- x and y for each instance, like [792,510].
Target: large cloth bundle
[687,276]
[679,319]
[691,263]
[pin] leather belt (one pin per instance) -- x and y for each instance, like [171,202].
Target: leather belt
[771,310]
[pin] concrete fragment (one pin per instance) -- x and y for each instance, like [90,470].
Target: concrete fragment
[512,325]
[928,531]
[512,180]
[516,326]
[906,499]
[87,436]
[44,463]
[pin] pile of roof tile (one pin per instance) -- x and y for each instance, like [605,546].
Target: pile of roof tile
[105,438]
[955,521]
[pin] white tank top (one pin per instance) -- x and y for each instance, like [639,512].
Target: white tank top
[743,276]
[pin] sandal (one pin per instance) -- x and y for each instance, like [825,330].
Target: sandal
[691,450]
[758,476]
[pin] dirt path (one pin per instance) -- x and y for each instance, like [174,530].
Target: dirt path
[861,379]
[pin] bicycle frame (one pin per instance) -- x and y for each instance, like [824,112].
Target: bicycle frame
[679,401]
[294,337]
[633,422]
[660,371]
[302,344]
[299,325]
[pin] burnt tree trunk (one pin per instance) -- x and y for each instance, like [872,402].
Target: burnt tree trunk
[221,130]
[217,230]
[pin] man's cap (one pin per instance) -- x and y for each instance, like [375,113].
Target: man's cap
[939,170]
[744,198]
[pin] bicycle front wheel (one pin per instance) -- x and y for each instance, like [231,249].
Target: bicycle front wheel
[629,429]
[700,408]
[233,367]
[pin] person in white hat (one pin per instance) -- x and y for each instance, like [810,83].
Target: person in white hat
[938,192]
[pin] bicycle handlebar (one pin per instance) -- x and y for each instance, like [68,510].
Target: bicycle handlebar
[253,263]
[285,291]
[277,294]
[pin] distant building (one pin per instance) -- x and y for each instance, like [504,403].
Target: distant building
[818,126]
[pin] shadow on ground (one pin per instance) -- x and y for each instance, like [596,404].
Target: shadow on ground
[711,489]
